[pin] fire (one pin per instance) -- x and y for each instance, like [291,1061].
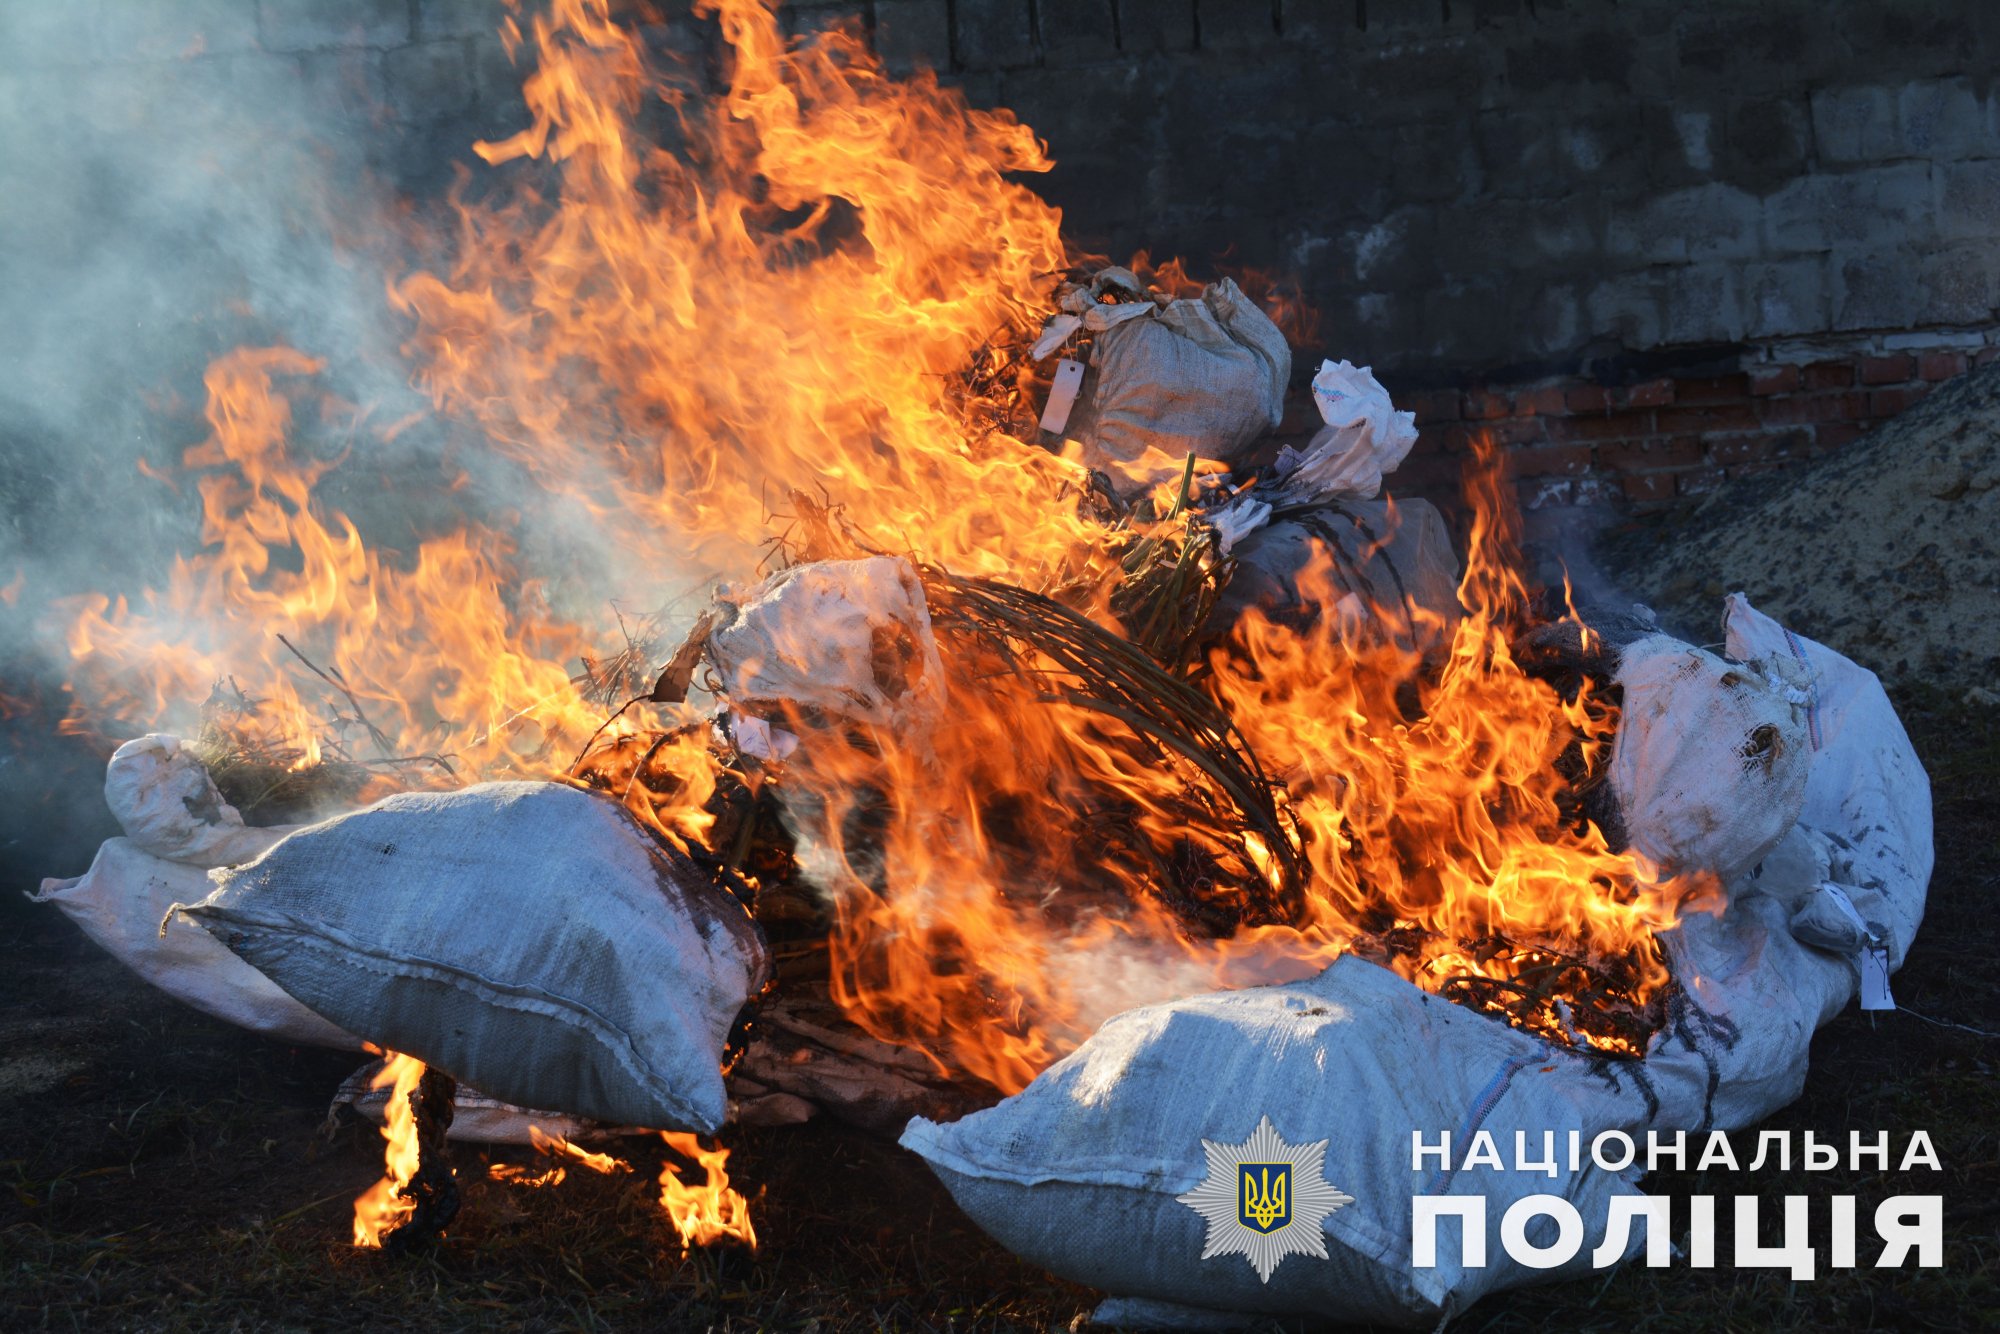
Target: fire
[711,1211]
[557,1147]
[802,322]
[383,1207]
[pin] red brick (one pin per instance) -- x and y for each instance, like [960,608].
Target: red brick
[1700,389]
[1735,417]
[1548,461]
[1941,365]
[1434,405]
[1651,394]
[1888,370]
[1484,405]
[1889,402]
[1986,356]
[1595,490]
[1548,401]
[1460,437]
[1542,493]
[1430,440]
[1774,380]
[1698,481]
[1828,375]
[1832,435]
[1587,398]
[1612,426]
[1804,409]
[1681,451]
[1427,475]
[1648,486]
[1731,451]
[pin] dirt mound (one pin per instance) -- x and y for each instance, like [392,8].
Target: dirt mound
[1888,551]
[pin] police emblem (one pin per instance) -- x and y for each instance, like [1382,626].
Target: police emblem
[1264,1199]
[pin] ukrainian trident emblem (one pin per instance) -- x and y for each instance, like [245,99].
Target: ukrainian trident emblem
[1267,1195]
[1265,1199]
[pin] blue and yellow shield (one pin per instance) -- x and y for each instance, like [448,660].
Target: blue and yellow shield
[1264,1202]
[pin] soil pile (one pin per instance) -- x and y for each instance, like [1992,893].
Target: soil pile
[1888,551]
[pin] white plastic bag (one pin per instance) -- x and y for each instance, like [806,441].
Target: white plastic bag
[527,938]
[119,904]
[850,638]
[1711,759]
[1364,438]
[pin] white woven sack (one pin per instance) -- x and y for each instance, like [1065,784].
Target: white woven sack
[168,805]
[527,938]
[1202,376]
[119,904]
[851,638]
[1865,784]
[1080,1172]
[1711,759]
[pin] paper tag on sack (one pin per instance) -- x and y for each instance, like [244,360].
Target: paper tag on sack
[1874,955]
[1875,979]
[1062,395]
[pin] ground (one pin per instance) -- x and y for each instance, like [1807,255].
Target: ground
[162,1171]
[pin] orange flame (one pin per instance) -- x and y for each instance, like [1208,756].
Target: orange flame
[816,292]
[558,1147]
[382,1208]
[711,1211]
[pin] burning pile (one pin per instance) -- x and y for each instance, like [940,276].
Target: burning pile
[1021,728]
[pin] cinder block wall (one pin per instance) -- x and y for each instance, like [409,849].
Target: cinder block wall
[1648,245]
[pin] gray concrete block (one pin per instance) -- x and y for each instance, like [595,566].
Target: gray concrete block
[343,85]
[1234,25]
[1765,141]
[496,81]
[1078,32]
[147,30]
[913,33]
[1315,20]
[1969,199]
[1854,123]
[460,18]
[313,25]
[1958,284]
[1554,320]
[1702,305]
[1945,119]
[1876,206]
[1713,221]
[1149,27]
[1872,290]
[429,79]
[993,34]
[1783,297]
[1626,307]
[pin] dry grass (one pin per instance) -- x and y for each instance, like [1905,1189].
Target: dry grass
[162,1172]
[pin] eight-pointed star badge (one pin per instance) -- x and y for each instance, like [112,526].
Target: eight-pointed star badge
[1264,1199]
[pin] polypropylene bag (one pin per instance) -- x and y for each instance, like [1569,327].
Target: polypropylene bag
[1374,566]
[526,938]
[1711,758]
[1082,1171]
[119,904]
[168,805]
[849,638]
[1200,376]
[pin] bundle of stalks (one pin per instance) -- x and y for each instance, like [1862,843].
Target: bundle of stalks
[1072,659]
